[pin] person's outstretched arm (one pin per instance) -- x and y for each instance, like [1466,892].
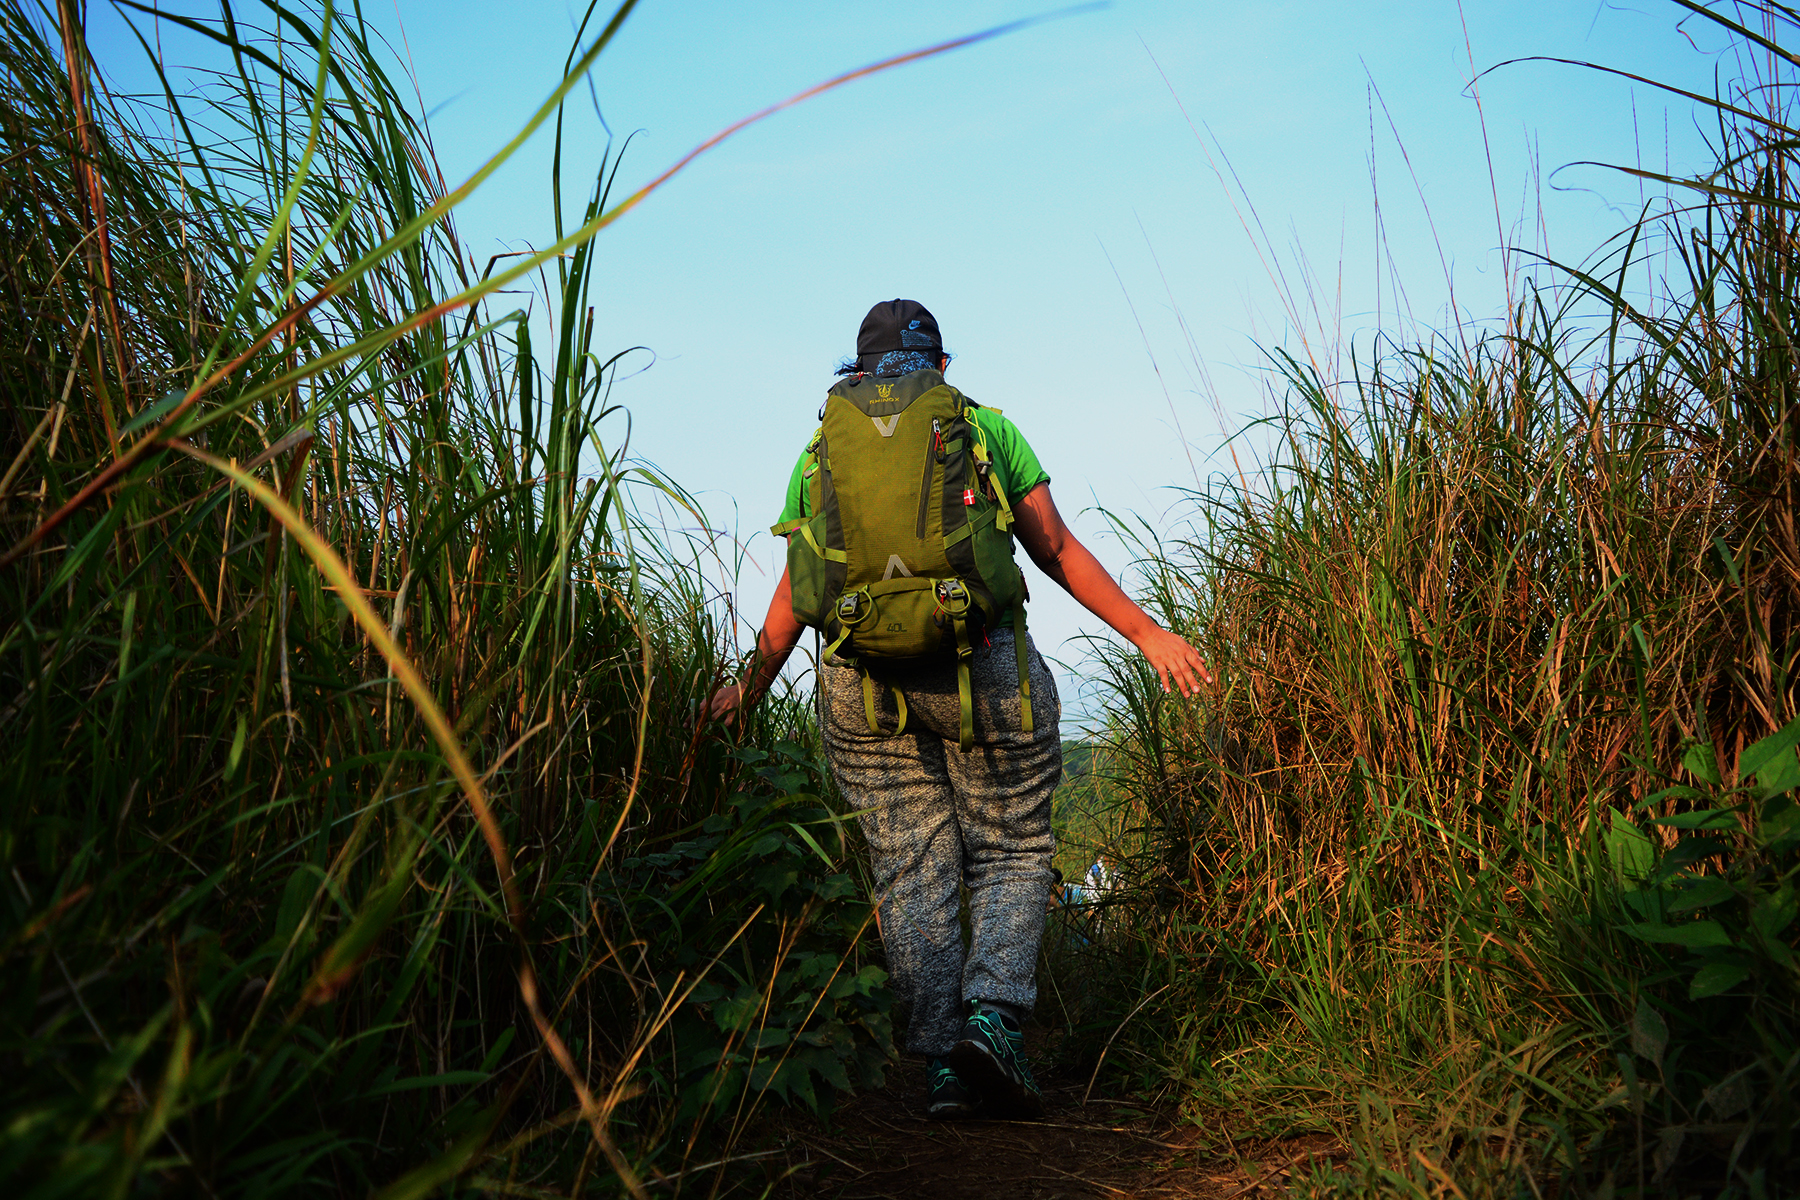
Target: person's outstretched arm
[780,633]
[1061,556]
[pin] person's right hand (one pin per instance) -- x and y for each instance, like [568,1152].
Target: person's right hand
[1175,661]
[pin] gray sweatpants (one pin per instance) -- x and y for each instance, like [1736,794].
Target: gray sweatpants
[936,818]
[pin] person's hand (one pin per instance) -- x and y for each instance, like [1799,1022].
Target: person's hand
[1175,661]
[723,704]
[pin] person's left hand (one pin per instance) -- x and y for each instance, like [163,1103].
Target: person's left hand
[1175,661]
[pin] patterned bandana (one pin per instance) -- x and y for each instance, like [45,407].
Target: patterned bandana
[903,362]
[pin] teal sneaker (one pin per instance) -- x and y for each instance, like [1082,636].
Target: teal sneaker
[990,1058]
[948,1099]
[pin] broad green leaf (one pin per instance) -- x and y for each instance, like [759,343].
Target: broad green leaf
[775,878]
[705,992]
[768,1076]
[1692,849]
[1757,756]
[830,1068]
[1649,1032]
[1780,775]
[1716,977]
[1703,892]
[1703,764]
[1631,852]
[1705,818]
[1695,935]
[1780,824]
[737,1012]
[802,1089]
[1649,903]
[1774,911]
[1731,1095]
[766,1039]
[1680,791]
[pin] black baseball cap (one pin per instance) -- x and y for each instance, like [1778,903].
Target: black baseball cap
[898,325]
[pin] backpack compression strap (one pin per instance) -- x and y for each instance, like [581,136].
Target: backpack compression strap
[1024,663]
[964,652]
[869,707]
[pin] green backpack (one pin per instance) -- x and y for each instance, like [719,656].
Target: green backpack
[908,552]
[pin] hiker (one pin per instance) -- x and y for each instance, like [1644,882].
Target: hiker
[940,718]
[1099,879]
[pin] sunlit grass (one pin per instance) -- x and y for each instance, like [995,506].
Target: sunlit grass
[1414,874]
[359,835]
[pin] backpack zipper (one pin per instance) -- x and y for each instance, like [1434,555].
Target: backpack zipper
[925,482]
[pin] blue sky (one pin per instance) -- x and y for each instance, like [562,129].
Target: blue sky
[1045,195]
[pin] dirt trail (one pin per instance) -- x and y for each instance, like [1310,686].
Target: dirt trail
[881,1145]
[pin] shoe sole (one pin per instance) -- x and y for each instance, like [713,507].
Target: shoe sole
[950,1112]
[1001,1094]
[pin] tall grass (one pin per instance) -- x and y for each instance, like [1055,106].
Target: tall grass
[1481,855]
[357,832]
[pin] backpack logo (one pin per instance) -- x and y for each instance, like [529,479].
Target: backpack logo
[886,430]
[885,390]
[894,564]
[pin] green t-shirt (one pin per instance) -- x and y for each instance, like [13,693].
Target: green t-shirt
[1016,469]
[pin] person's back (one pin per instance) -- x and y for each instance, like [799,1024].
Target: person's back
[948,753]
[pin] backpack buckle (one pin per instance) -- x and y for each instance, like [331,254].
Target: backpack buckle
[953,596]
[853,608]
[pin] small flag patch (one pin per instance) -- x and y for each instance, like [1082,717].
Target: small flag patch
[968,495]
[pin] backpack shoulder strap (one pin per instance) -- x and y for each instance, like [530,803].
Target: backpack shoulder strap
[812,450]
[1003,520]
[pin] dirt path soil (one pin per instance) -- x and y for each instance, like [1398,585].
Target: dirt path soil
[881,1145]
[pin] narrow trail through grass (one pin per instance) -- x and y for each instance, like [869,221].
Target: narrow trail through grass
[881,1145]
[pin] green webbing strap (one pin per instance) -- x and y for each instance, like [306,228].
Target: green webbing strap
[1024,663]
[836,642]
[964,652]
[950,539]
[787,527]
[968,704]
[1003,520]
[869,707]
[825,552]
